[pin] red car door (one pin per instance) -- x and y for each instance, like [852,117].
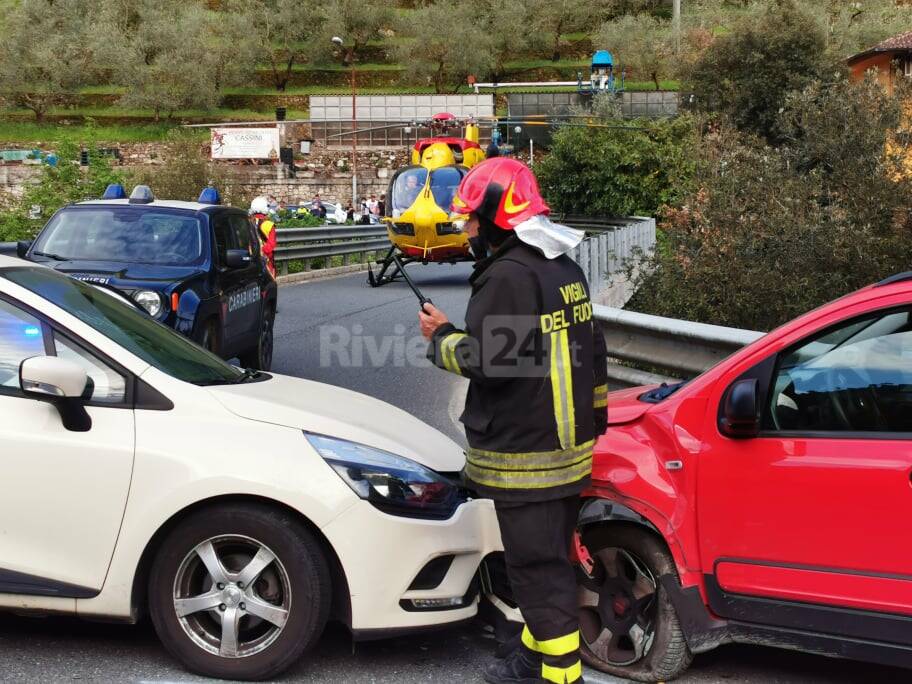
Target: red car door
[807,525]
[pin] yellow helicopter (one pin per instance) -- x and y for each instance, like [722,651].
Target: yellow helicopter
[418,199]
[419,195]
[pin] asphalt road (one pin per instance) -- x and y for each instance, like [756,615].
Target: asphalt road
[382,356]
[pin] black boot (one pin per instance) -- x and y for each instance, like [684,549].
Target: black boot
[522,666]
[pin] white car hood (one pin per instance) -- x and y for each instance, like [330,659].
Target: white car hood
[336,412]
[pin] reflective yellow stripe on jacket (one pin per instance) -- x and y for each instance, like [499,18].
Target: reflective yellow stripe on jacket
[448,352]
[562,388]
[600,396]
[529,470]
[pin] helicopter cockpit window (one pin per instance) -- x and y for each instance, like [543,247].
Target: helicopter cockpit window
[406,187]
[444,182]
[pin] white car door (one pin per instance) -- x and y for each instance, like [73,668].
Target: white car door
[62,493]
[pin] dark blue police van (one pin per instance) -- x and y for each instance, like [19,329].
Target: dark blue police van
[195,266]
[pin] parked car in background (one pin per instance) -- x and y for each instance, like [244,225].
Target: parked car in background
[335,213]
[767,501]
[194,266]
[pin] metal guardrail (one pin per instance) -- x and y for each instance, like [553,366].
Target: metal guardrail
[321,242]
[682,349]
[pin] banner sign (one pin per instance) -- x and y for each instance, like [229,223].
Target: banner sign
[245,143]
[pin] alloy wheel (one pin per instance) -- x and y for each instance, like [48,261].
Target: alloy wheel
[232,596]
[618,607]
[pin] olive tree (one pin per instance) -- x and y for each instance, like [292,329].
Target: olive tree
[49,59]
[285,32]
[640,43]
[155,49]
[443,58]
[552,19]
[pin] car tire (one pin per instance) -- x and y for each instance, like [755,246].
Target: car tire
[657,652]
[260,357]
[273,619]
[210,337]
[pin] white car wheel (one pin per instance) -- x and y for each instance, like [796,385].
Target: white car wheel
[239,591]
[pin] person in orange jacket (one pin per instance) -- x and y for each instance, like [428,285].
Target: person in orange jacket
[259,214]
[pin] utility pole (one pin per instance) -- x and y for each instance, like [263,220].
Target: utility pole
[351,54]
[676,25]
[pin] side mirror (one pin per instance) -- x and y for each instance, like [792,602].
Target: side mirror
[740,413]
[22,248]
[59,382]
[237,258]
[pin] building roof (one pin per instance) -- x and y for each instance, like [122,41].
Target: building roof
[900,43]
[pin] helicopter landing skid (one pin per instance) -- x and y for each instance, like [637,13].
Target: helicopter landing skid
[390,269]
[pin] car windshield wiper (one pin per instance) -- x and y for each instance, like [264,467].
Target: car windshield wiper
[660,393]
[51,255]
[249,374]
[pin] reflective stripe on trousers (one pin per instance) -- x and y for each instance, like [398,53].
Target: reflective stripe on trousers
[560,656]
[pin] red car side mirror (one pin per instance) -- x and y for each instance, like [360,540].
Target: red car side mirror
[740,413]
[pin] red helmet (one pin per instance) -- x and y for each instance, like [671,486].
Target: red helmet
[502,190]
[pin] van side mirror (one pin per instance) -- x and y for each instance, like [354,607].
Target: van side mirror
[22,248]
[58,382]
[740,416]
[237,258]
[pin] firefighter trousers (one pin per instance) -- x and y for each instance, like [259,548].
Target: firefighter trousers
[537,538]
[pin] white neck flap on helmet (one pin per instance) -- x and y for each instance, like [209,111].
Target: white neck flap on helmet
[549,238]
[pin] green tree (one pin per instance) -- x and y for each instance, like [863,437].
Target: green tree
[640,43]
[508,24]
[748,73]
[552,19]
[851,27]
[44,57]
[443,58]
[285,32]
[357,23]
[58,185]
[187,170]
[773,232]
[632,169]
[168,54]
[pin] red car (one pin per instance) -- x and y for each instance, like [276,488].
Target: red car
[766,501]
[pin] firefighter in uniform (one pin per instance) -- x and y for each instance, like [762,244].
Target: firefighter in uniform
[536,365]
[259,213]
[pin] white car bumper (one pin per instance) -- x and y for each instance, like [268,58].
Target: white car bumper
[382,554]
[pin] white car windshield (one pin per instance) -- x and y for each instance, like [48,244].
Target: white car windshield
[136,332]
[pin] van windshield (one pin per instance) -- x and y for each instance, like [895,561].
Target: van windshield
[139,235]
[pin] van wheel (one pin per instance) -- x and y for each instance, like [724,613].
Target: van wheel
[628,625]
[260,357]
[239,591]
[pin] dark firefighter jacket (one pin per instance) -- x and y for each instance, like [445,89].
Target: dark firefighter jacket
[536,364]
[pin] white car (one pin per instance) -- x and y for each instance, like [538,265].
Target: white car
[242,510]
[335,213]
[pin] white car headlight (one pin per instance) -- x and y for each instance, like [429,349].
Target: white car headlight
[150,301]
[392,483]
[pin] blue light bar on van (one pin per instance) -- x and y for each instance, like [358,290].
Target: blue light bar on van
[210,195]
[142,194]
[114,191]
